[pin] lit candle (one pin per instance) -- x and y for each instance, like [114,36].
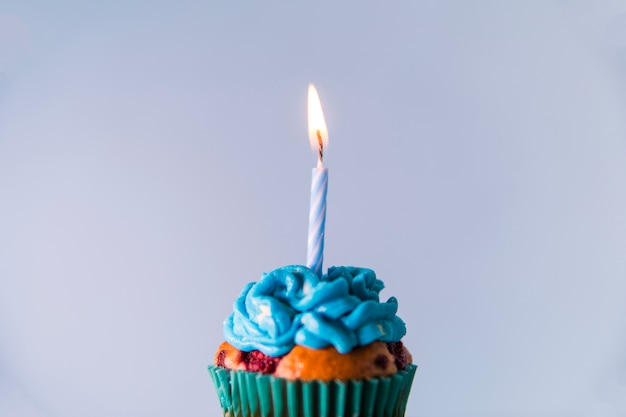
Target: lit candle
[318,136]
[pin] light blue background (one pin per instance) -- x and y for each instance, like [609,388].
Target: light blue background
[154,158]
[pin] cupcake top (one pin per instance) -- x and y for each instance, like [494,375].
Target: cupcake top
[293,306]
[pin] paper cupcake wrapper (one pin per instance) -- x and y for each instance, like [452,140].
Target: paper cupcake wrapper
[251,394]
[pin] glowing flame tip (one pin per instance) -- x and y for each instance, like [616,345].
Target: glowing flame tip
[317,124]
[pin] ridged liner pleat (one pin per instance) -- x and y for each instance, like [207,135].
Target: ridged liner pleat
[250,394]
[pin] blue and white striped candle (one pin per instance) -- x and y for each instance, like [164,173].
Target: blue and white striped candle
[317,220]
[318,135]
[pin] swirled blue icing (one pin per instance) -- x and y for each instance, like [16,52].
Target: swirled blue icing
[292,305]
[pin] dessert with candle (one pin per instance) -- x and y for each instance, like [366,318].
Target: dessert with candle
[303,343]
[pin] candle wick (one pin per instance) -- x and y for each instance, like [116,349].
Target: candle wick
[321,146]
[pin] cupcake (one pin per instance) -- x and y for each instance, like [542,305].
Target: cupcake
[299,345]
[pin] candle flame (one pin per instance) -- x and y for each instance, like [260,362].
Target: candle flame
[318,135]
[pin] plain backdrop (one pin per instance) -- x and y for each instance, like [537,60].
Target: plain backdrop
[154,159]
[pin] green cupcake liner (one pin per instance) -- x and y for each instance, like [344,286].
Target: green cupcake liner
[251,394]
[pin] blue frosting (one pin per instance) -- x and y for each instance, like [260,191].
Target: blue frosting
[293,306]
